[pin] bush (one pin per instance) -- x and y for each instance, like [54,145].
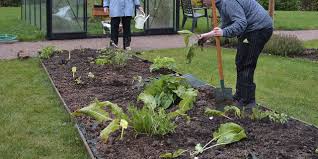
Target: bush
[308,5]
[284,45]
[10,3]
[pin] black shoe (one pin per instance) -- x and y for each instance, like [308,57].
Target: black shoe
[238,103]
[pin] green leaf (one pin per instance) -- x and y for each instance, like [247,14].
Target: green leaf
[178,153]
[234,109]
[185,32]
[229,133]
[199,148]
[112,127]
[148,100]
[166,155]
[190,54]
[94,110]
[212,112]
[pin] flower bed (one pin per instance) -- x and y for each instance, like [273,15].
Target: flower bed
[116,84]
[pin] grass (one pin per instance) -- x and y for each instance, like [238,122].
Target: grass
[311,44]
[284,84]
[296,20]
[10,23]
[33,123]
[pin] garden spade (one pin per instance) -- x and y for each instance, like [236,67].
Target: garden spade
[221,93]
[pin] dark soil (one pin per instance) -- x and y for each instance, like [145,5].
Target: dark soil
[267,140]
[310,54]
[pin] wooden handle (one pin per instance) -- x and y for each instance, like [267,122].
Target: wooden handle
[217,41]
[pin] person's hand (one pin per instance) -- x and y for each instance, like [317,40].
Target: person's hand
[141,9]
[106,10]
[206,36]
[207,3]
[217,31]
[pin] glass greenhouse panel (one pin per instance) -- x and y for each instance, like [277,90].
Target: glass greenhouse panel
[67,16]
[43,15]
[32,15]
[38,13]
[27,11]
[162,14]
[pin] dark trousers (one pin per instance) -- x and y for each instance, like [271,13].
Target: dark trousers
[115,21]
[246,60]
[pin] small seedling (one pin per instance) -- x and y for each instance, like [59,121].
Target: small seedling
[73,71]
[79,81]
[91,75]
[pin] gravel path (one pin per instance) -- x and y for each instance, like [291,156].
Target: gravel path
[10,51]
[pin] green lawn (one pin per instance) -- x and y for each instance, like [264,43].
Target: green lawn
[10,23]
[284,84]
[311,44]
[284,20]
[33,123]
[296,20]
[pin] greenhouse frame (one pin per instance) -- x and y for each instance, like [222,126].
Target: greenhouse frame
[69,19]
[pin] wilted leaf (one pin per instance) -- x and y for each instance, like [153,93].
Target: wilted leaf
[212,112]
[190,54]
[185,32]
[166,155]
[94,110]
[112,127]
[178,153]
[116,110]
[234,109]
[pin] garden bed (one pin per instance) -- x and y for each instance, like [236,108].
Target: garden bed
[115,83]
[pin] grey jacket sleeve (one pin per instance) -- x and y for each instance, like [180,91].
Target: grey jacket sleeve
[237,17]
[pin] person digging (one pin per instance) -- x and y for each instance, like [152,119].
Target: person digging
[251,24]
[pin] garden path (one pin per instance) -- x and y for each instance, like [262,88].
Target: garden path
[10,51]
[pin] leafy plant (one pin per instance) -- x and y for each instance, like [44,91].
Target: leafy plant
[227,110]
[74,71]
[190,47]
[47,52]
[147,121]
[258,114]
[163,92]
[112,56]
[79,81]
[175,154]
[164,62]
[227,133]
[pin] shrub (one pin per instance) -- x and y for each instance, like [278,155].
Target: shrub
[284,45]
[286,5]
[308,5]
[47,52]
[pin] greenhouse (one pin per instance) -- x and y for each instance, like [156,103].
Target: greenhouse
[67,19]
